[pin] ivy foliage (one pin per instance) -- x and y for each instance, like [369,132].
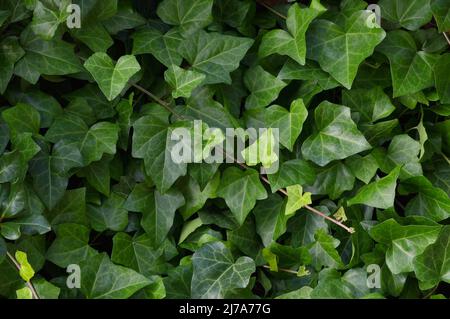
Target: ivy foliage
[88,184]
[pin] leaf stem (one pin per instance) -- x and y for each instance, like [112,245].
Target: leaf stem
[290,271]
[446,38]
[275,12]
[29,283]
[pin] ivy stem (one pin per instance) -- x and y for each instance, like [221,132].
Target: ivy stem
[283,270]
[446,38]
[275,12]
[263,178]
[29,284]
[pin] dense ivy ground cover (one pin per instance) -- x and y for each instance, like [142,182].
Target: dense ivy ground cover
[359,207]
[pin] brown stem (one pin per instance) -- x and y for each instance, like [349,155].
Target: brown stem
[283,270]
[446,38]
[265,5]
[29,283]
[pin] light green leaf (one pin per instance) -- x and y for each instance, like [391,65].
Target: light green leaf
[112,77]
[296,199]
[26,270]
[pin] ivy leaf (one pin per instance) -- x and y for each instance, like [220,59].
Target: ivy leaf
[110,215]
[341,48]
[26,270]
[71,245]
[433,265]
[442,68]
[137,253]
[405,242]
[112,78]
[441,12]
[431,202]
[270,218]
[292,172]
[103,280]
[370,105]
[216,272]
[215,55]
[250,190]
[264,87]
[183,81]
[379,194]
[410,14]
[22,118]
[159,215]
[323,251]
[333,180]
[163,46]
[100,139]
[189,16]
[47,17]
[152,142]
[290,124]
[292,43]
[411,70]
[296,199]
[10,53]
[337,136]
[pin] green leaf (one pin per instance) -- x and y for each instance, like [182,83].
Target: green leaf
[71,245]
[112,77]
[189,16]
[410,14]
[292,43]
[103,280]
[47,17]
[22,118]
[152,141]
[337,136]
[250,190]
[263,86]
[411,70]
[433,265]
[290,124]
[159,215]
[379,194]
[183,82]
[441,12]
[110,215]
[99,139]
[24,293]
[341,48]
[292,172]
[26,270]
[296,199]
[163,46]
[405,242]
[137,253]
[216,273]
[215,55]
[323,251]
[431,202]
[333,180]
[441,69]
[369,105]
